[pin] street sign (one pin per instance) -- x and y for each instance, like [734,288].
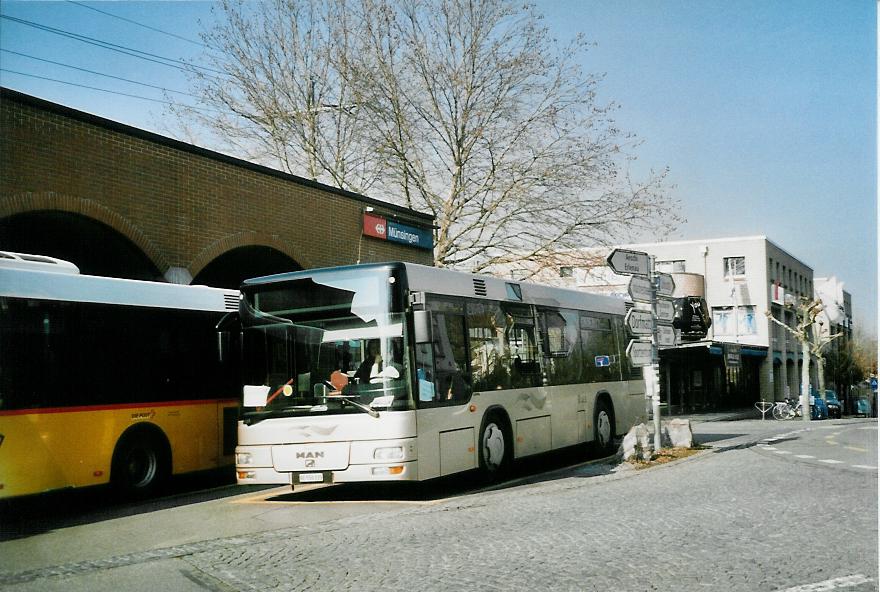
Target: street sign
[603,361]
[640,353]
[665,284]
[640,289]
[665,310]
[627,262]
[640,322]
[665,335]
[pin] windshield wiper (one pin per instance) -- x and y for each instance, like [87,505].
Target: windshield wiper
[349,399]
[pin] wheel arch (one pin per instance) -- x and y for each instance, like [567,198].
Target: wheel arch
[605,396]
[139,431]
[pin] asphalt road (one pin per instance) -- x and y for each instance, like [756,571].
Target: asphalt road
[764,510]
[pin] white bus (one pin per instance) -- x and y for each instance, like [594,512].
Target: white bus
[400,371]
[106,380]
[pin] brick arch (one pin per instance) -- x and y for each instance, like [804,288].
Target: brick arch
[246,238]
[30,202]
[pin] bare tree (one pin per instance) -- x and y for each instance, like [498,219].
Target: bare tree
[468,110]
[813,341]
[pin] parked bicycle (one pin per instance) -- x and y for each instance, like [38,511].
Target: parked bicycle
[787,409]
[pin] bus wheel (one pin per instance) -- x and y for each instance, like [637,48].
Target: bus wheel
[603,427]
[140,465]
[494,448]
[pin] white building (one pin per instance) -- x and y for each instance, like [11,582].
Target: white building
[743,278]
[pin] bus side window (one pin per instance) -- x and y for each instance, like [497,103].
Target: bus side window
[490,355]
[441,367]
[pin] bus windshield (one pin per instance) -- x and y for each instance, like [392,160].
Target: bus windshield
[325,344]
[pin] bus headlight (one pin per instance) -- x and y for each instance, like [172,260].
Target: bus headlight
[242,458]
[389,453]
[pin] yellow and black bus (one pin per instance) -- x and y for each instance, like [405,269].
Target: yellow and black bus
[106,380]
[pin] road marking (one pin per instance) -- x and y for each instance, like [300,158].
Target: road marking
[873,427]
[869,467]
[804,456]
[782,452]
[832,461]
[830,441]
[765,447]
[856,448]
[833,584]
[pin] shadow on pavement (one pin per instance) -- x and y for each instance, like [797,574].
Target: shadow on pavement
[36,514]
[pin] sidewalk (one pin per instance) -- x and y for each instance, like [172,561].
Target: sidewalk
[732,415]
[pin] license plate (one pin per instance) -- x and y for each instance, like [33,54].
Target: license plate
[311,477]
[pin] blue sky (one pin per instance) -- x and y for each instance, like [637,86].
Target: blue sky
[765,112]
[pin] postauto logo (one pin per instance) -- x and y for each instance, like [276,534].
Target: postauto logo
[379,227]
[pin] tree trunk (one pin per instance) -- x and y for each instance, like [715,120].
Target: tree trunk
[805,380]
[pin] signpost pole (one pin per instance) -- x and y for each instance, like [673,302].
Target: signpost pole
[655,366]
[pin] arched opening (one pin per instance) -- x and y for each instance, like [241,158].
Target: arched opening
[94,247]
[234,266]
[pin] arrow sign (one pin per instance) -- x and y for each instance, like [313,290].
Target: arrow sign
[627,262]
[665,310]
[640,289]
[640,322]
[640,353]
[665,335]
[665,284]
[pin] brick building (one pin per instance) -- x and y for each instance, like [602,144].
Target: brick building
[120,201]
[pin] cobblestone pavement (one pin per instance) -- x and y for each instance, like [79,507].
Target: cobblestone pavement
[733,519]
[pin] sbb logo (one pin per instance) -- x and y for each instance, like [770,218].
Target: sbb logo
[380,229]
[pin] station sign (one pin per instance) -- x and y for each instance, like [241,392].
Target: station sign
[640,322]
[626,262]
[640,353]
[665,336]
[665,310]
[665,284]
[640,289]
[382,228]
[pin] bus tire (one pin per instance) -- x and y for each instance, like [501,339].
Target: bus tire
[141,464]
[495,447]
[603,427]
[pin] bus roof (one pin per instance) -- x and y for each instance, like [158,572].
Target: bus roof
[10,260]
[41,281]
[438,280]
[434,280]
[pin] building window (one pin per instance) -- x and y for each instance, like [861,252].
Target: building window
[735,266]
[566,271]
[676,266]
[724,322]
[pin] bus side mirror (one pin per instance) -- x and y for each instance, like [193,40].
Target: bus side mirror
[422,326]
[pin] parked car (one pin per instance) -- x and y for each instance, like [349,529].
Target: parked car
[835,407]
[861,407]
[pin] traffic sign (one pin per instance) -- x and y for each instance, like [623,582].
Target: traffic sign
[665,310]
[640,353]
[640,289]
[665,335]
[665,284]
[640,322]
[627,262]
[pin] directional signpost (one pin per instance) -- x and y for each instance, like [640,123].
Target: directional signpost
[640,322]
[665,335]
[653,289]
[641,289]
[665,284]
[665,310]
[640,353]
[627,262]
